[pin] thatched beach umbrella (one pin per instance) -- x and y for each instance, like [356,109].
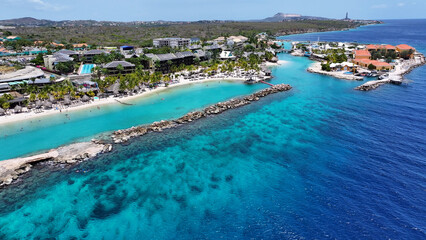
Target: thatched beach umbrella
[47,105]
[67,101]
[52,99]
[17,109]
[85,98]
[2,112]
[38,104]
[114,88]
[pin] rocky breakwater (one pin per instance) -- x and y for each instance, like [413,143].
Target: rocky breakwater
[11,169]
[122,136]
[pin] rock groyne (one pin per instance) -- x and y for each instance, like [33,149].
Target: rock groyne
[121,136]
[11,169]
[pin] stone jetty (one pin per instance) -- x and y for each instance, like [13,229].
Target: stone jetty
[121,136]
[74,153]
[11,169]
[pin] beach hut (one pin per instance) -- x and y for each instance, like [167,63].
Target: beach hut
[2,112]
[17,109]
[85,98]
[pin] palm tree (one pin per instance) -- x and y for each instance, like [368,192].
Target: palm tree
[120,68]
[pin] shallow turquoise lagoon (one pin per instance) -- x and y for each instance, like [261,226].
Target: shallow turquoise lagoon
[52,131]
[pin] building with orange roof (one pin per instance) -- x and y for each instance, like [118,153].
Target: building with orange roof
[405,51]
[361,54]
[377,64]
[372,47]
[80,45]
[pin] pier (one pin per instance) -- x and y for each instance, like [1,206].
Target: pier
[270,84]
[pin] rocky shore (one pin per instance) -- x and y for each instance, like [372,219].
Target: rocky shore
[11,169]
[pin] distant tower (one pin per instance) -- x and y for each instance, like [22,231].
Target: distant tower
[347,16]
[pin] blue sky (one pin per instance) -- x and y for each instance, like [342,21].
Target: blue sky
[130,10]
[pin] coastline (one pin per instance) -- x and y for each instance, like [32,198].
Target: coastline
[12,169]
[8,119]
[395,77]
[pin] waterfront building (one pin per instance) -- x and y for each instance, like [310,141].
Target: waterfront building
[406,48]
[344,66]
[200,54]
[387,47]
[165,61]
[377,64]
[113,68]
[171,42]
[89,55]
[26,74]
[361,54]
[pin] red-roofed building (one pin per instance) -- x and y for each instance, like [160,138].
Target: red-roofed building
[361,54]
[405,51]
[387,47]
[377,64]
[402,47]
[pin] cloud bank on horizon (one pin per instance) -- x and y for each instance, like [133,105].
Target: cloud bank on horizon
[192,10]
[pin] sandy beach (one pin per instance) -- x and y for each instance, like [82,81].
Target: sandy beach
[279,63]
[316,68]
[13,118]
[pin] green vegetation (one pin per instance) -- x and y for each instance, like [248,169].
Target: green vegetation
[326,67]
[142,35]
[406,54]
[4,100]
[382,53]
[38,60]
[65,67]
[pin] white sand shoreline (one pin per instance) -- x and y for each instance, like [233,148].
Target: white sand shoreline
[316,68]
[24,116]
[279,63]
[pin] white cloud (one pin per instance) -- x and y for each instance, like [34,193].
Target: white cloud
[44,5]
[380,6]
[401,4]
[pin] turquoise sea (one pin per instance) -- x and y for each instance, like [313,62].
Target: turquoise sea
[322,161]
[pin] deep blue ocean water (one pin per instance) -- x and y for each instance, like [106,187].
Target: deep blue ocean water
[322,161]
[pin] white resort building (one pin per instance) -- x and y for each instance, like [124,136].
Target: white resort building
[171,42]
